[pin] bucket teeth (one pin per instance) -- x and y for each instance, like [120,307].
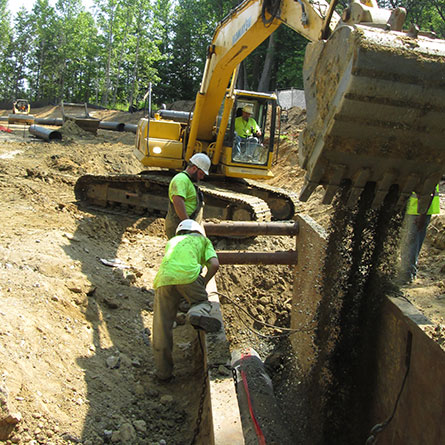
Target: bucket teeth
[337,176]
[407,189]
[382,188]
[306,191]
[358,184]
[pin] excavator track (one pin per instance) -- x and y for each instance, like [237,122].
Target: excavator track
[147,193]
[282,203]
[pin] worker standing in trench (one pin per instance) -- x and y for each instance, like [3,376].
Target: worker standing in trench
[179,276]
[415,227]
[185,199]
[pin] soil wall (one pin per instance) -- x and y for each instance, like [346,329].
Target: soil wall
[405,350]
[407,368]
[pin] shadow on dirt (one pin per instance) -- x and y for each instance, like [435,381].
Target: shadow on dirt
[126,404]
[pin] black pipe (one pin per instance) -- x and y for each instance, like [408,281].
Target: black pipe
[49,121]
[45,133]
[229,257]
[251,228]
[115,126]
[261,415]
[178,116]
[130,127]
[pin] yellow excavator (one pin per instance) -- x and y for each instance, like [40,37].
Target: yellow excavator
[375,113]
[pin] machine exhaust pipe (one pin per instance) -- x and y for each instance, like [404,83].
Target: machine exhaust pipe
[261,415]
[45,133]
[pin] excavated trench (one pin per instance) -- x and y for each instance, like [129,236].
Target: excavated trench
[331,402]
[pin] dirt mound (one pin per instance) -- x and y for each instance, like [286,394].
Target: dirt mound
[72,131]
[181,105]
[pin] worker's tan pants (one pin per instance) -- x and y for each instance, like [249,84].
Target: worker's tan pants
[172,221]
[167,299]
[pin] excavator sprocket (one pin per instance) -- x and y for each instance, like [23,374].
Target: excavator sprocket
[375,104]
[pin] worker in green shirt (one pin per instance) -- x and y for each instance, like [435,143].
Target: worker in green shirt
[179,276]
[185,198]
[415,227]
[247,134]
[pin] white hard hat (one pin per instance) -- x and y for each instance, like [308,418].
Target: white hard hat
[202,161]
[248,108]
[191,225]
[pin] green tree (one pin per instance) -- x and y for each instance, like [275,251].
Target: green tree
[144,53]
[5,40]
[16,57]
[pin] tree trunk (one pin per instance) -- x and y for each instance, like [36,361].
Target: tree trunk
[108,69]
[135,72]
[121,56]
[264,83]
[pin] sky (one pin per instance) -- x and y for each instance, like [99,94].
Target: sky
[15,5]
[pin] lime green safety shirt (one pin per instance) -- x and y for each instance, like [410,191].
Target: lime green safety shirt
[182,185]
[243,128]
[434,208]
[183,259]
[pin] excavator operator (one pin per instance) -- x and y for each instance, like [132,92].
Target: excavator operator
[185,199]
[247,133]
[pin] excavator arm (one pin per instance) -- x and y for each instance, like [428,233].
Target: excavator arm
[243,30]
[374,94]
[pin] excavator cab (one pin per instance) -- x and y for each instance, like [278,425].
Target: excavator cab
[254,146]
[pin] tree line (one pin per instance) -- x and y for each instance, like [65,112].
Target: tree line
[111,54]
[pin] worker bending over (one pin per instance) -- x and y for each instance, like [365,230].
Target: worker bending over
[185,198]
[179,276]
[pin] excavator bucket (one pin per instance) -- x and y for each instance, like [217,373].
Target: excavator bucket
[375,113]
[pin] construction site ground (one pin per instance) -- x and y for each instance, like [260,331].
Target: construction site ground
[76,298]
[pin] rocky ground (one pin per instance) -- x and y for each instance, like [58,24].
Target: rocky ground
[76,297]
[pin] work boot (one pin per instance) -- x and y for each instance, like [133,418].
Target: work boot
[205,322]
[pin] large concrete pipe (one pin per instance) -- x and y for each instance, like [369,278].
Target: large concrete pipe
[239,228]
[45,133]
[115,126]
[261,416]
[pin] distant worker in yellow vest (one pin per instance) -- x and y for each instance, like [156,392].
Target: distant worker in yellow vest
[415,227]
[185,198]
[247,133]
[182,275]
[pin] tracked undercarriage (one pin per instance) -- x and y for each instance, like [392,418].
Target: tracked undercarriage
[147,193]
